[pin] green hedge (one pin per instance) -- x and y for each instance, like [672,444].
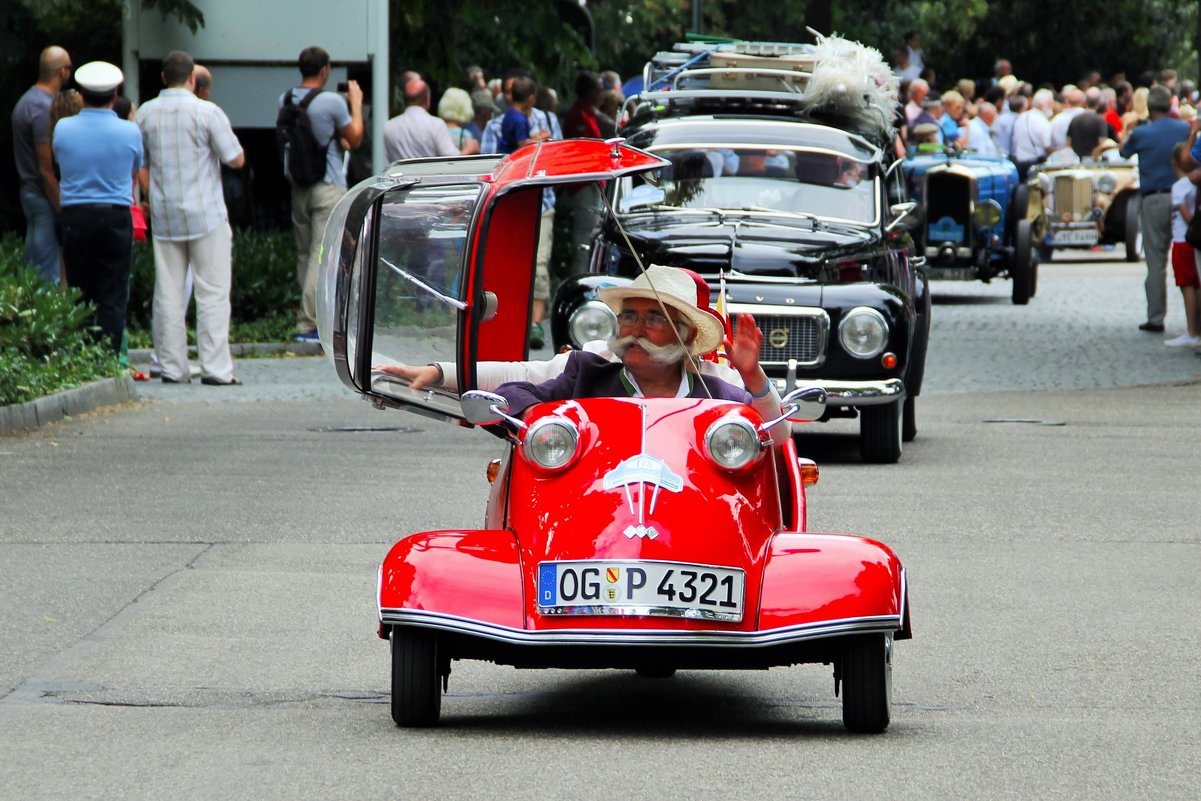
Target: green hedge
[45,345]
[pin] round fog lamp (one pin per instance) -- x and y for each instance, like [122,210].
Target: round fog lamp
[732,443]
[593,320]
[1107,182]
[551,442]
[863,332]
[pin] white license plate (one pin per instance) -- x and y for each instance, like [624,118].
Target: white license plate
[636,587]
[1075,236]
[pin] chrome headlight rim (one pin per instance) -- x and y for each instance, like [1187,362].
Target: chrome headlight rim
[987,213]
[533,449]
[854,314]
[738,425]
[1106,182]
[587,314]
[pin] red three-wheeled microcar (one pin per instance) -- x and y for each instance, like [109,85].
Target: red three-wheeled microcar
[642,534]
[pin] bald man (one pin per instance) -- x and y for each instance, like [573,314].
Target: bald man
[204,82]
[35,165]
[416,133]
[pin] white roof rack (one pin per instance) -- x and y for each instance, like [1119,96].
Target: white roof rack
[835,77]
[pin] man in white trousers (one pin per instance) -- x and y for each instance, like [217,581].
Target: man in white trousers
[186,140]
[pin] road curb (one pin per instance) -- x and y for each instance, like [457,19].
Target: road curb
[142,355]
[36,413]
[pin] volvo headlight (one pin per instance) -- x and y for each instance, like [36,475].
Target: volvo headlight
[733,443]
[1107,182]
[863,332]
[987,214]
[593,320]
[551,442]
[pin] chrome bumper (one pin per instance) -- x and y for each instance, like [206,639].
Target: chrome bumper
[851,393]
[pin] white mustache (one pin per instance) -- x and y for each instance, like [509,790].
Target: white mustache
[672,353]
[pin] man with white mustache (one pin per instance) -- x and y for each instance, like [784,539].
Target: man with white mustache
[660,327]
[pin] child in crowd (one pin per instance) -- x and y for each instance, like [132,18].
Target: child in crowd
[515,125]
[1184,258]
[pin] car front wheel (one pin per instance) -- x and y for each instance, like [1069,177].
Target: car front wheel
[416,685]
[880,432]
[866,673]
[1023,264]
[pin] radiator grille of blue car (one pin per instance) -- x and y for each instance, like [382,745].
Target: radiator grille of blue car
[792,334]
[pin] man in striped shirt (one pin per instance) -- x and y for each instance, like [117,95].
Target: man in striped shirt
[186,140]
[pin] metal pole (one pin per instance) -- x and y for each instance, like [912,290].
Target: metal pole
[696,16]
[380,89]
[129,49]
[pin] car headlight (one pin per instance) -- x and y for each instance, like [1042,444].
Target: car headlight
[733,443]
[1045,183]
[863,332]
[593,320]
[1107,182]
[551,442]
[987,214]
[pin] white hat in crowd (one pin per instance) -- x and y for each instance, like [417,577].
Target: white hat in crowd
[99,77]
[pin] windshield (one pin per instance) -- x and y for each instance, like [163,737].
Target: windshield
[777,180]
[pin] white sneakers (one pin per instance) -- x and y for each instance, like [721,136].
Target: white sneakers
[1183,341]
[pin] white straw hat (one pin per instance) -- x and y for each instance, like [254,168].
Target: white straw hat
[674,288]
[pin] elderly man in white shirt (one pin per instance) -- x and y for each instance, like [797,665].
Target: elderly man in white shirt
[1031,141]
[186,140]
[416,133]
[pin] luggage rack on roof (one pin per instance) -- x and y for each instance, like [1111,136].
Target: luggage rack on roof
[835,78]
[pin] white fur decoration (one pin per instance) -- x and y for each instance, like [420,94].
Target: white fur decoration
[853,80]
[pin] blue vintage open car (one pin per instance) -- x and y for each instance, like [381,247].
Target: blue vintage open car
[981,222]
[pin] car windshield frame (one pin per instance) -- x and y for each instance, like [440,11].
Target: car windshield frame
[772,193]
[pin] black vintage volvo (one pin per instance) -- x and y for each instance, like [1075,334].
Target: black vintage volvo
[794,207]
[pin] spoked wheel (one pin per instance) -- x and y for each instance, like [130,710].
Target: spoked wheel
[909,419]
[867,683]
[1134,244]
[1021,266]
[416,683]
[880,432]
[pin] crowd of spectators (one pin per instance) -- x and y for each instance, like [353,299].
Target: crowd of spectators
[1147,120]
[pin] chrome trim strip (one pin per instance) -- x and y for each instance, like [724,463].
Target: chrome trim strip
[852,393]
[606,637]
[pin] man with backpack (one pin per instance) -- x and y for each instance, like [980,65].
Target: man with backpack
[313,130]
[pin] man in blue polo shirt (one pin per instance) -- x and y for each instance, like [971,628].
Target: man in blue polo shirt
[1153,144]
[98,156]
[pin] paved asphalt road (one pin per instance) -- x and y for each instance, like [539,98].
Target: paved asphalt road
[188,594]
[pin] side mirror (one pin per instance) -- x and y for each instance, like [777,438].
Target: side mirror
[483,408]
[902,214]
[804,404]
[641,197]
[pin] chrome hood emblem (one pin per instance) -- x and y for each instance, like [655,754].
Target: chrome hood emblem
[642,470]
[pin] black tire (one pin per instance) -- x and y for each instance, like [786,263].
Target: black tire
[1022,263]
[1035,261]
[416,684]
[867,683]
[909,420]
[880,432]
[1133,228]
[655,672]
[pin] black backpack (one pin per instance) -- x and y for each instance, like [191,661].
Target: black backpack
[303,156]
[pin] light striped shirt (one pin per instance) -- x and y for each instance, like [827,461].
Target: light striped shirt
[186,139]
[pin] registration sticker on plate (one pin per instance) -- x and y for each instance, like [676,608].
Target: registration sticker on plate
[639,587]
[1075,236]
